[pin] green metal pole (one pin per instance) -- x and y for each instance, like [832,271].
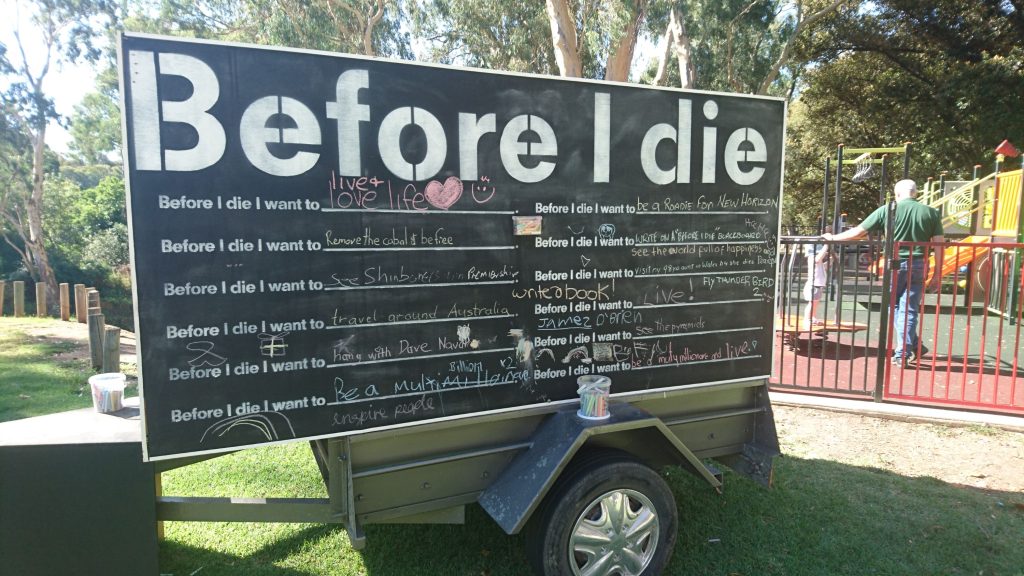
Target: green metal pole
[836,220]
[906,160]
[883,320]
[824,198]
[839,191]
[885,177]
[976,193]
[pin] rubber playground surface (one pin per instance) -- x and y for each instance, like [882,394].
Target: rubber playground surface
[974,357]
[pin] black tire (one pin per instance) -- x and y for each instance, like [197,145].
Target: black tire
[572,533]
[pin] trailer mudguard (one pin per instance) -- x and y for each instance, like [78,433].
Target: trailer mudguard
[512,498]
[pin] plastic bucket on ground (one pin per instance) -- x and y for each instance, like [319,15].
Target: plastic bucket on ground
[593,391]
[107,391]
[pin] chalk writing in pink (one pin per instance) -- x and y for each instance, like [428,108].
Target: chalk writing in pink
[444,196]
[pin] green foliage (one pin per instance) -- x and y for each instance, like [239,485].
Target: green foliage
[15,184]
[96,123]
[15,154]
[107,248]
[66,30]
[942,74]
[87,238]
[516,35]
[102,206]
[74,215]
[67,27]
[735,42]
[332,25]
[10,261]
[89,175]
[513,35]
[757,32]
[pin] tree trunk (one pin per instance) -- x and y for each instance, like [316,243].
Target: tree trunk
[684,52]
[621,58]
[370,25]
[563,38]
[35,244]
[661,76]
[730,69]
[802,24]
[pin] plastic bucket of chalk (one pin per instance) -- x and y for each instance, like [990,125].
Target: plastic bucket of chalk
[593,391]
[107,391]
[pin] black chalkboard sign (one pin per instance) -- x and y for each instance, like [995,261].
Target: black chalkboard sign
[325,244]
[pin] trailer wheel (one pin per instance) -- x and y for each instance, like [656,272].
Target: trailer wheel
[608,515]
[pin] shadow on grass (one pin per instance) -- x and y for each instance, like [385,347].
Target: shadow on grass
[821,518]
[184,559]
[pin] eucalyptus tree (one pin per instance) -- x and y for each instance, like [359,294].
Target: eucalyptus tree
[732,45]
[944,74]
[95,128]
[367,27]
[512,35]
[66,30]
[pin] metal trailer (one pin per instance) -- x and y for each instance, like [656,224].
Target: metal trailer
[614,222]
[543,470]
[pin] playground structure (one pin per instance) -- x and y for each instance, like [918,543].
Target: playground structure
[791,326]
[794,326]
[970,332]
[969,356]
[981,211]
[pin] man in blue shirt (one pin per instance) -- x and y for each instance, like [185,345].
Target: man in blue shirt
[914,222]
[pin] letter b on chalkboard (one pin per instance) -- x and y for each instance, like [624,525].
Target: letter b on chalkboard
[148,111]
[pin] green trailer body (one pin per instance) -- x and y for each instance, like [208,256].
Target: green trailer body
[429,473]
[411,267]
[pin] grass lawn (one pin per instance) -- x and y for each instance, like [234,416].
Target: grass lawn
[32,381]
[822,518]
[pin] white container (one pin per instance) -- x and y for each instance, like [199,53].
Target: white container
[107,391]
[593,391]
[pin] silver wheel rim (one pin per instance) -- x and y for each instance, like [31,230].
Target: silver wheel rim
[616,534]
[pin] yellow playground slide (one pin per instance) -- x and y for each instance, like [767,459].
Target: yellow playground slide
[957,256]
[954,257]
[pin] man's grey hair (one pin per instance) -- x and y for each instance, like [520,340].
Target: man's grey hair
[905,188]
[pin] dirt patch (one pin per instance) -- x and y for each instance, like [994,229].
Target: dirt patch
[71,334]
[975,456]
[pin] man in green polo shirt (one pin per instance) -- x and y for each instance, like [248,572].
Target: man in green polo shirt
[914,222]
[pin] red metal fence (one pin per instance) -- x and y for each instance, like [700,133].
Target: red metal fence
[971,335]
[969,353]
[837,355]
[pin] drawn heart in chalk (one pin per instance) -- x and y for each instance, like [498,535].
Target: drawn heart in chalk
[584,260]
[444,196]
[753,344]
